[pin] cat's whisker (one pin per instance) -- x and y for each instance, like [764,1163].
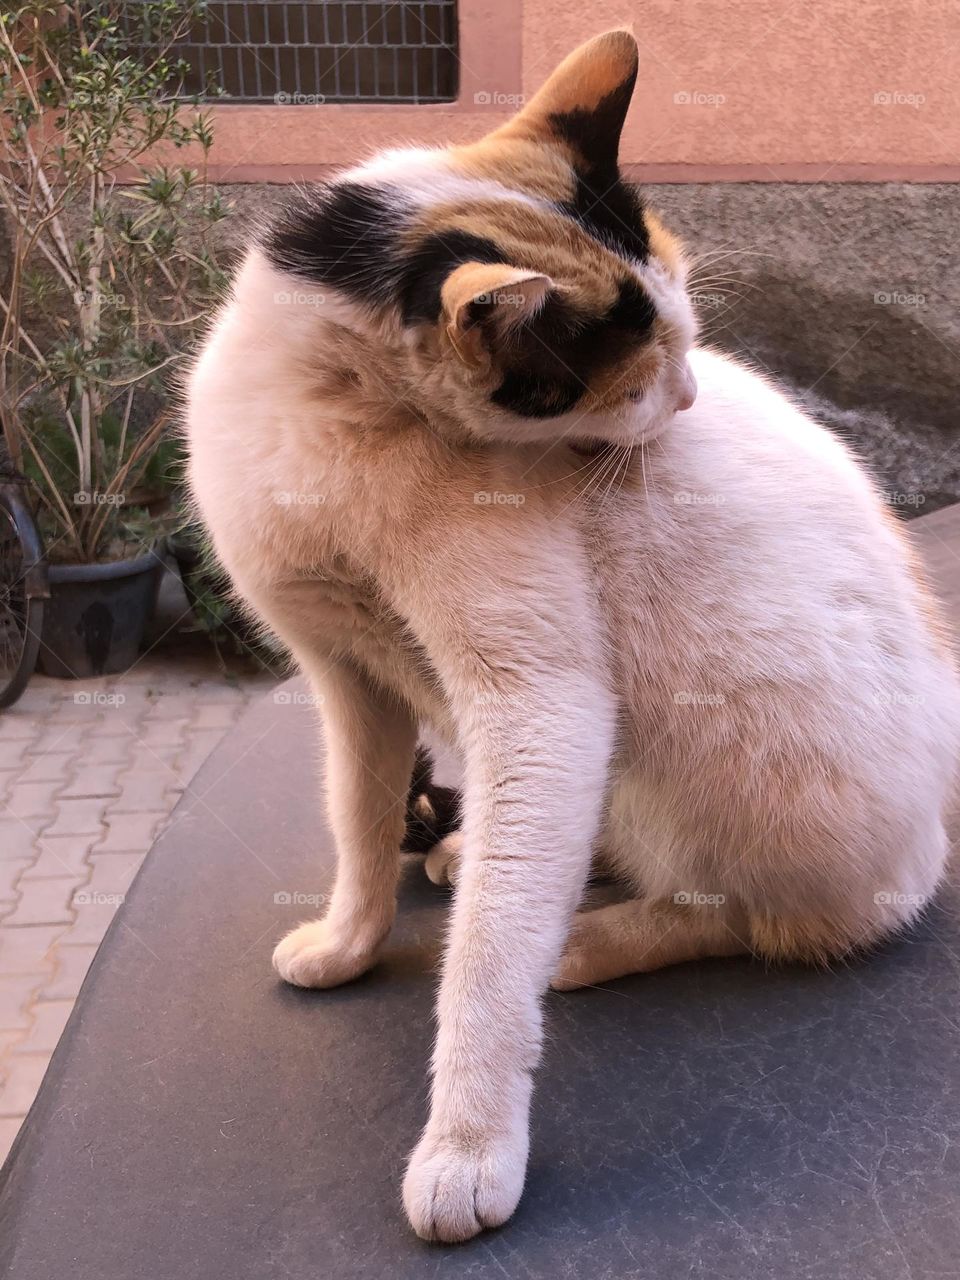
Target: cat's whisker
[628,461]
[610,477]
[720,282]
[697,259]
[723,284]
[643,472]
[568,475]
[616,485]
[595,483]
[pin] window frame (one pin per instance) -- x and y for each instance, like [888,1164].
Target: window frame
[271,142]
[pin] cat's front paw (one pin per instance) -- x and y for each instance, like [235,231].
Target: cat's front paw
[455,1188]
[317,955]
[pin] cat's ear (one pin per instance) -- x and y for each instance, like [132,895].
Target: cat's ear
[482,302]
[584,102]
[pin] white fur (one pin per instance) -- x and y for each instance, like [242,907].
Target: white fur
[428,176]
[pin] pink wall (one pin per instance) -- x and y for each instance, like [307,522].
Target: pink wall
[728,89]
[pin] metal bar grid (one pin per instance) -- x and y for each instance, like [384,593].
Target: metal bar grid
[316,51]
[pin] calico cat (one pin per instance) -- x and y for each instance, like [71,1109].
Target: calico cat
[447,437]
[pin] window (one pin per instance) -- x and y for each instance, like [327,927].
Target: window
[317,51]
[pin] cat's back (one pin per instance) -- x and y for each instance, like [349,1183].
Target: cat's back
[747,474]
[748,536]
[750,437]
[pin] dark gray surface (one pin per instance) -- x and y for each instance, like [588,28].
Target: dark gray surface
[714,1120]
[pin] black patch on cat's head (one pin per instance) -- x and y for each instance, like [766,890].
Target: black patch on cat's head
[594,132]
[612,212]
[348,236]
[554,357]
[633,309]
[535,395]
[607,207]
[423,270]
[343,236]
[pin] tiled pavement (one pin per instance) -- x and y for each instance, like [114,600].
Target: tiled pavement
[89,773]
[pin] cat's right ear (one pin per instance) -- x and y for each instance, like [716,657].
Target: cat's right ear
[584,103]
[482,303]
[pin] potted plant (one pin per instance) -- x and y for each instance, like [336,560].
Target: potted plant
[112,268]
[216,609]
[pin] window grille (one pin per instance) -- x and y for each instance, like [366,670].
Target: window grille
[318,51]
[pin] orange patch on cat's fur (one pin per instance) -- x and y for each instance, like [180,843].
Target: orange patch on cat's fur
[663,243]
[535,239]
[520,164]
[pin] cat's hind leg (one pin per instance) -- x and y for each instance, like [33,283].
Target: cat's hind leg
[642,934]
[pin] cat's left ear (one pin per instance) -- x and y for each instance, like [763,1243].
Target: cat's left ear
[482,302]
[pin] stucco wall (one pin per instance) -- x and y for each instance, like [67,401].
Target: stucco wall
[728,89]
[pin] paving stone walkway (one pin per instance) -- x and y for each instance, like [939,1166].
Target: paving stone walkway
[89,773]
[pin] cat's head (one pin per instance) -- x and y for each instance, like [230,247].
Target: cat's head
[529,289]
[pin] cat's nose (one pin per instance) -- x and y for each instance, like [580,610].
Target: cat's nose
[687,391]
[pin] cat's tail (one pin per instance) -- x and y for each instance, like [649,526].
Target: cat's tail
[433,811]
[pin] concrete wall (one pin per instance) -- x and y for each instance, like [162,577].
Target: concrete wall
[850,294]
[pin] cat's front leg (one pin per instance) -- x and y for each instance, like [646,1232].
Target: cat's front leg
[525,675]
[370,740]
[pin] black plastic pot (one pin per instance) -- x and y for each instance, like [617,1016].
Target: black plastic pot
[94,621]
[205,583]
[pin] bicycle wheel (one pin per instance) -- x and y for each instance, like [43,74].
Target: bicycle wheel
[21,595]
